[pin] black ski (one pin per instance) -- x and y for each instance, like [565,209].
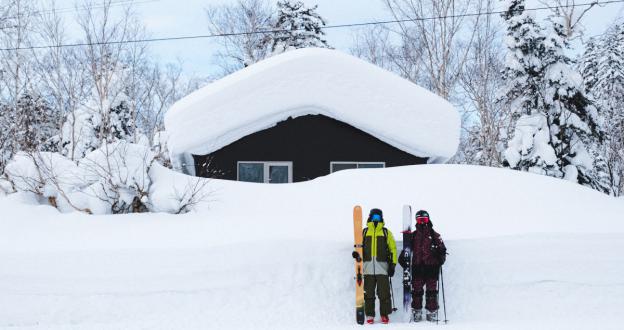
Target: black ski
[407,257]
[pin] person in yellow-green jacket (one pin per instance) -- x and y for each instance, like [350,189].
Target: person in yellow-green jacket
[380,259]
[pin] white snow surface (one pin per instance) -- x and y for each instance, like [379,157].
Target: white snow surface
[526,252]
[314,81]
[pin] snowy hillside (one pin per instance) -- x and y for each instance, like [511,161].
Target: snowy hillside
[526,251]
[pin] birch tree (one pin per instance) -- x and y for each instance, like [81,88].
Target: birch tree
[444,34]
[240,50]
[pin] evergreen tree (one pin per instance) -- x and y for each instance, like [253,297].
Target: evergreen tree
[589,63]
[603,74]
[86,129]
[556,124]
[121,123]
[6,138]
[297,27]
[36,124]
[575,128]
[529,149]
[609,73]
[28,125]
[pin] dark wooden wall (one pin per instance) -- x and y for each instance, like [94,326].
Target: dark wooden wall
[311,142]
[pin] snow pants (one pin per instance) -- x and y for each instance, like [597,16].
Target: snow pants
[425,276]
[382,283]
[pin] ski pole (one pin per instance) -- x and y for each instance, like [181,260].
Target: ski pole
[438,296]
[443,298]
[394,309]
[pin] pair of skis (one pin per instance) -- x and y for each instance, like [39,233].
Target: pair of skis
[359,277]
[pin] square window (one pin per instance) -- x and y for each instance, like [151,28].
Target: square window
[251,172]
[279,173]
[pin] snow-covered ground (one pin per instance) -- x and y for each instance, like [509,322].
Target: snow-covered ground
[526,251]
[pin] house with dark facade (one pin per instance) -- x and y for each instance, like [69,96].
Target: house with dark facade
[308,113]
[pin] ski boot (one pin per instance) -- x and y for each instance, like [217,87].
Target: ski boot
[385,319]
[432,316]
[370,319]
[416,315]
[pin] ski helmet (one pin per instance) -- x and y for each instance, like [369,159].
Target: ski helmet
[375,215]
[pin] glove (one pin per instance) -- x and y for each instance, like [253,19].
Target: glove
[440,255]
[356,255]
[391,267]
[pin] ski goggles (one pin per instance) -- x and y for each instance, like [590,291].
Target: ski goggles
[421,220]
[376,217]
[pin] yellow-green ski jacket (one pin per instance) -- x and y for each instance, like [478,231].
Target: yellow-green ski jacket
[378,250]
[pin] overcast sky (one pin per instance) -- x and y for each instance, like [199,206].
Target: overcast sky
[166,18]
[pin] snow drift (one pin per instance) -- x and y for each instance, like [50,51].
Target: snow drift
[526,251]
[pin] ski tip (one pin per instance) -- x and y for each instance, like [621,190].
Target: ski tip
[357,208]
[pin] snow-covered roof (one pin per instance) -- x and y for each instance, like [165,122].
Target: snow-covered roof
[314,81]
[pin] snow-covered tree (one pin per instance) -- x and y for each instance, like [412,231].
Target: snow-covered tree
[528,150]
[574,124]
[557,125]
[36,124]
[603,74]
[297,26]
[79,134]
[590,62]
[27,126]
[121,123]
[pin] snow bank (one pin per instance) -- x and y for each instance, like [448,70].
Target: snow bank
[464,202]
[314,81]
[278,256]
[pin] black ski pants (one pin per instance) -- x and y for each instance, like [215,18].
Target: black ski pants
[382,283]
[425,276]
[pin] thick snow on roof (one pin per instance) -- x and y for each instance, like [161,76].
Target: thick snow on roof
[314,81]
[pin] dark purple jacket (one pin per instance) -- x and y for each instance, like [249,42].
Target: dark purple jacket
[427,247]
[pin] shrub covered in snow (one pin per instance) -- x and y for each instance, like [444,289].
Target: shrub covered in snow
[46,174]
[161,149]
[118,177]
[114,178]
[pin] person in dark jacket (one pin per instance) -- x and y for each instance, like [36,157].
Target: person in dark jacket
[380,258]
[428,255]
